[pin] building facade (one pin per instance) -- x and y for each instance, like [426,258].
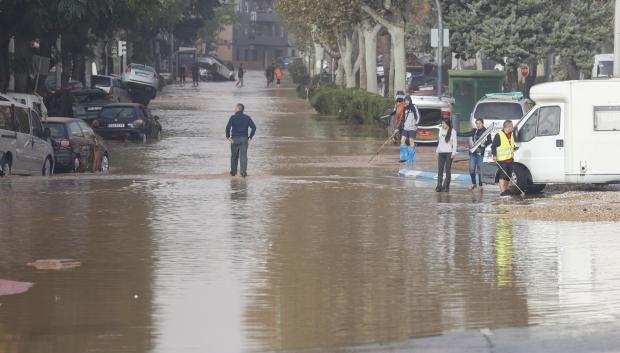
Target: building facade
[258,38]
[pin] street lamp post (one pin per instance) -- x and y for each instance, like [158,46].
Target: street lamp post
[440,48]
[617,41]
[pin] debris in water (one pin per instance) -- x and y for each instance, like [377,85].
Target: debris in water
[12,287]
[55,264]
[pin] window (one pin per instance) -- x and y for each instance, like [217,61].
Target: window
[607,118]
[23,120]
[549,121]
[88,132]
[57,130]
[37,128]
[74,130]
[6,123]
[528,130]
[498,111]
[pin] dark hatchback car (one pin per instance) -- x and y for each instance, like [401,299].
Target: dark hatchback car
[81,103]
[76,146]
[127,121]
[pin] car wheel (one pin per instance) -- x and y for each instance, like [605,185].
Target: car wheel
[105,163]
[75,167]
[6,168]
[522,177]
[47,167]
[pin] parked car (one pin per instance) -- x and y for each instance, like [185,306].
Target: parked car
[141,77]
[24,143]
[76,146]
[498,107]
[81,104]
[432,110]
[113,86]
[127,121]
[34,101]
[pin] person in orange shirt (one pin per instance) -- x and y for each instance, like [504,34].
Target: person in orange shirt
[278,74]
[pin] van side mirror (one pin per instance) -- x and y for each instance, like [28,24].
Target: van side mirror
[47,133]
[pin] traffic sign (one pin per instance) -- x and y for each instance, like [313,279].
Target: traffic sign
[525,70]
[122,48]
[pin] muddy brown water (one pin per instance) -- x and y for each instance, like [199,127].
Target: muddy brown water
[314,250]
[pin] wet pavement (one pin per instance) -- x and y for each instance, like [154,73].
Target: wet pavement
[316,251]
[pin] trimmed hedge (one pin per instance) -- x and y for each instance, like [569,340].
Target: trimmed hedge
[299,72]
[351,105]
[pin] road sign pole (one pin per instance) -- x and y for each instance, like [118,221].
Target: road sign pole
[440,48]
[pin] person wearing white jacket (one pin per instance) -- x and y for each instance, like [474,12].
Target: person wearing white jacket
[446,150]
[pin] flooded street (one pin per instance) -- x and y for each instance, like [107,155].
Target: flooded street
[316,249]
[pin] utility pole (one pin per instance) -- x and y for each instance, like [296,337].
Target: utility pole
[59,63]
[12,61]
[440,48]
[617,41]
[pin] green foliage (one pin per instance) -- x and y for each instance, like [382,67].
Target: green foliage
[299,72]
[351,105]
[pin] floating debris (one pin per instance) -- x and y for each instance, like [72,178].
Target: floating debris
[55,264]
[13,287]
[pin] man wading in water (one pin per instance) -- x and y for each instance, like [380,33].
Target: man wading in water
[237,134]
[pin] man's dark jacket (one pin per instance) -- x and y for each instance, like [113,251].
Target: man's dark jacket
[238,126]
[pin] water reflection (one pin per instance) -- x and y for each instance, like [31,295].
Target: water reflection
[179,257]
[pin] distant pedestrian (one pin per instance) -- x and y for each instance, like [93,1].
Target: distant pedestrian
[476,157]
[237,134]
[502,148]
[269,75]
[240,73]
[182,75]
[278,73]
[411,119]
[195,75]
[446,151]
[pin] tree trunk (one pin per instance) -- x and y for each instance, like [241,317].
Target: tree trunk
[4,62]
[319,56]
[23,59]
[512,78]
[362,61]
[400,70]
[391,91]
[370,46]
[531,79]
[387,60]
[340,73]
[345,45]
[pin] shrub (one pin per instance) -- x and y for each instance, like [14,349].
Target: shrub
[351,105]
[299,72]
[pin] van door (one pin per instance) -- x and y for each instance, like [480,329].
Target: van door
[24,154]
[8,135]
[541,144]
[40,144]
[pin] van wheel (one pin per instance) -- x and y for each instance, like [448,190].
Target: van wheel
[76,164]
[522,176]
[6,168]
[105,163]
[47,167]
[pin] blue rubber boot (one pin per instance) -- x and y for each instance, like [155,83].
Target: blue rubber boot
[403,153]
[410,155]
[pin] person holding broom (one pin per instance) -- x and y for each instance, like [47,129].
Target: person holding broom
[502,149]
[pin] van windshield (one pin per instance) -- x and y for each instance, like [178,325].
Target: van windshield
[498,111]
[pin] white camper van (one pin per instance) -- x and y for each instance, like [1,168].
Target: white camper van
[570,136]
[603,65]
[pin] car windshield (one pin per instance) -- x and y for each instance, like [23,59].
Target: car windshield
[605,68]
[118,113]
[57,130]
[91,98]
[498,111]
[101,81]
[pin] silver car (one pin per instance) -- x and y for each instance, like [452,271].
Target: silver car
[25,147]
[111,85]
[142,77]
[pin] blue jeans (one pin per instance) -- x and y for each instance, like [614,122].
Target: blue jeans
[475,164]
[239,150]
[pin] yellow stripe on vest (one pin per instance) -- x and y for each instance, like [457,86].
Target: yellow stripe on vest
[506,148]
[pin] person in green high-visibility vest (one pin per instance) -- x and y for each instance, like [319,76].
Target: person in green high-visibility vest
[502,148]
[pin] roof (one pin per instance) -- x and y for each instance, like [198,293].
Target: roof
[561,90]
[58,119]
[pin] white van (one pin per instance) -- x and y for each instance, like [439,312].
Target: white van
[570,136]
[25,147]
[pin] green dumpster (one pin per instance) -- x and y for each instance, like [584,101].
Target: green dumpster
[468,86]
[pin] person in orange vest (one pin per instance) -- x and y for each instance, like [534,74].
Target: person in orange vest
[278,74]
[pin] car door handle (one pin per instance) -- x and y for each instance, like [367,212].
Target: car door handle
[559,143]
